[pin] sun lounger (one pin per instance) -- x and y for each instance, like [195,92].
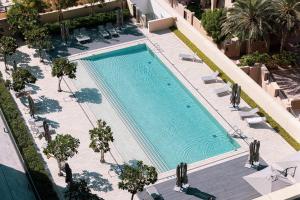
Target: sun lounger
[211,77]
[103,32]
[188,57]
[249,113]
[152,191]
[226,88]
[81,35]
[112,31]
[255,120]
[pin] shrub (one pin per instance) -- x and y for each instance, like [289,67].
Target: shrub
[212,21]
[23,138]
[87,21]
[251,59]
[284,134]
[283,59]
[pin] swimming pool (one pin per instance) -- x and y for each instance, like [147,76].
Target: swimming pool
[169,124]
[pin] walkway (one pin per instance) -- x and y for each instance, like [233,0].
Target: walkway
[14,184]
[224,181]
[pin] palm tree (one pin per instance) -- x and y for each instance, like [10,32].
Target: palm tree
[249,20]
[59,5]
[286,17]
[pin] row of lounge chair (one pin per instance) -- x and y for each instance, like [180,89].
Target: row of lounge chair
[106,32]
[251,116]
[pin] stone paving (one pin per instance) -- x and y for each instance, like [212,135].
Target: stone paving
[70,115]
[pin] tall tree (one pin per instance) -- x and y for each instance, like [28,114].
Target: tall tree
[100,138]
[20,78]
[63,67]
[59,5]
[92,5]
[249,20]
[79,190]
[135,178]
[38,37]
[20,17]
[62,148]
[286,17]
[8,46]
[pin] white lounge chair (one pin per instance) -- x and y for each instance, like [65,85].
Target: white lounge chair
[152,191]
[188,57]
[211,77]
[103,32]
[226,88]
[81,35]
[112,31]
[255,120]
[249,113]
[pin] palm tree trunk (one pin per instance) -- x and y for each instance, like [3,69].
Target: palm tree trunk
[283,38]
[59,82]
[59,168]
[40,55]
[249,46]
[102,156]
[132,195]
[5,60]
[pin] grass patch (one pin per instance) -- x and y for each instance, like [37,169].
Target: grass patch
[244,96]
[34,161]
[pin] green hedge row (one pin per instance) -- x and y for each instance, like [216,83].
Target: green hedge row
[24,140]
[244,96]
[87,21]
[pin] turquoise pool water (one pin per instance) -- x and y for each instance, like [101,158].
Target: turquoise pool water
[167,121]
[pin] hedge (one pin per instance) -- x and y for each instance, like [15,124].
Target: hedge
[87,21]
[34,161]
[244,96]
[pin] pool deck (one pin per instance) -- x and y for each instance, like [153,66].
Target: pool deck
[73,115]
[224,181]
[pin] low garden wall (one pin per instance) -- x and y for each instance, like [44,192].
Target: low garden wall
[79,11]
[160,24]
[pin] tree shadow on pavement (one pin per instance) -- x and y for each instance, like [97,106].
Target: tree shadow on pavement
[47,105]
[88,95]
[94,180]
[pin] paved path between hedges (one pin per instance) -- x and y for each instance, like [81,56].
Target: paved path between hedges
[14,184]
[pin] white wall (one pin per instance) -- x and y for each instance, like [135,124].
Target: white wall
[142,5]
[158,10]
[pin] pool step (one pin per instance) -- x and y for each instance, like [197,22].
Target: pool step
[145,145]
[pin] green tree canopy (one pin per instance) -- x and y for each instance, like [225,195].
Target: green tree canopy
[21,18]
[79,190]
[20,78]
[62,148]
[8,46]
[100,138]
[39,5]
[249,20]
[92,4]
[135,178]
[63,67]
[286,12]
[212,22]
[38,37]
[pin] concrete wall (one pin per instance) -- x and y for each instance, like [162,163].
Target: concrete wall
[160,24]
[141,4]
[78,11]
[158,10]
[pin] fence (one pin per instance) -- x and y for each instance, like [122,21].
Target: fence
[160,24]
